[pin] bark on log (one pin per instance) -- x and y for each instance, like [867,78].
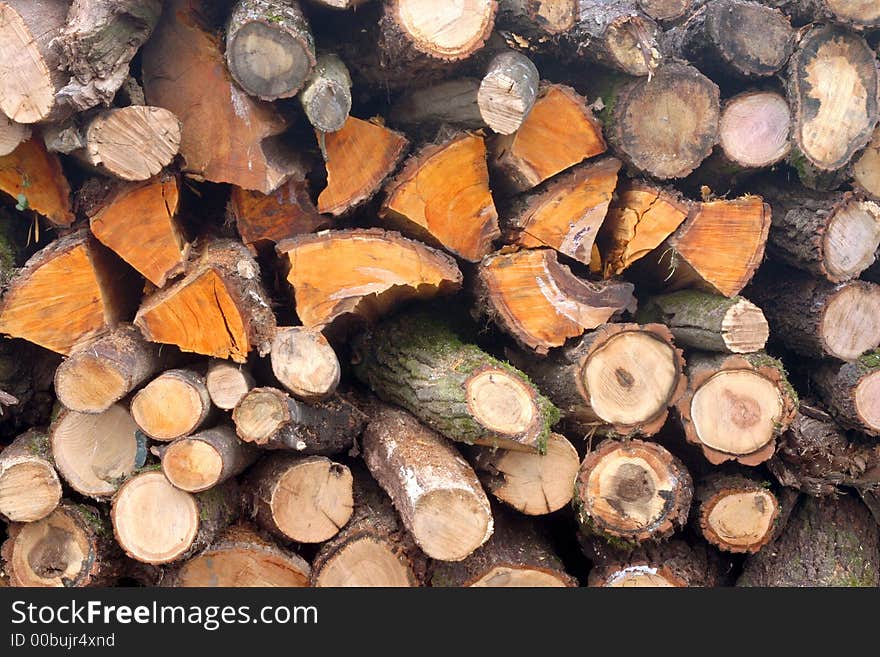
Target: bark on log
[227,383]
[508,92]
[205,459]
[174,404]
[851,391]
[326,96]
[855,14]
[449,102]
[672,563]
[305,363]
[29,486]
[34,178]
[534,17]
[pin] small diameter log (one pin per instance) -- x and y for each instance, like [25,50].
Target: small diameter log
[708,322]
[373,271]
[241,557]
[865,168]
[516,556]
[29,486]
[735,406]
[632,491]
[71,547]
[620,378]
[829,541]
[435,491]
[202,460]
[508,92]
[566,213]
[540,302]
[754,131]
[270,419]
[449,102]
[666,11]
[326,96]
[307,500]
[533,484]
[227,383]
[671,563]
[442,196]
[559,132]
[174,404]
[304,362]
[219,308]
[851,391]
[270,49]
[34,178]
[12,134]
[95,452]
[537,16]
[359,157]
[156,523]
[456,389]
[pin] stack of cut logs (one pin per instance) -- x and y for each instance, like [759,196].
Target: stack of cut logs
[407,293]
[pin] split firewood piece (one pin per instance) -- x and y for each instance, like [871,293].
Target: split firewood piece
[12,134]
[373,549]
[671,563]
[533,484]
[508,91]
[31,75]
[708,322]
[809,552]
[455,388]
[29,486]
[71,547]
[67,293]
[34,177]
[241,557]
[829,127]
[219,308]
[435,491]
[202,460]
[819,319]
[754,131]
[567,212]
[558,133]
[640,217]
[540,302]
[621,378]
[269,418]
[442,196]
[734,37]
[632,491]
[517,555]
[307,500]
[326,96]
[667,11]
[139,222]
[851,391]
[533,17]
[373,271]
[156,523]
[717,249]
[227,383]
[94,452]
[227,135]
[97,44]
[448,102]
[304,362]
[735,406]
[359,157]
[865,168]
[665,126]
[174,404]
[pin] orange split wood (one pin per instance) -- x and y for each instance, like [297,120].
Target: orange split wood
[34,178]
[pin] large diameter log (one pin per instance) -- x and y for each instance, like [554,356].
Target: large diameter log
[435,491]
[29,486]
[205,459]
[672,563]
[174,404]
[326,96]
[508,91]
[227,383]
[456,388]
[305,363]
[851,391]
[34,178]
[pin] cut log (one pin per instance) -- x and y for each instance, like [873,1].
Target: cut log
[666,11]
[34,178]
[406,270]
[95,452]
[12,134]
[305,363]
[829,541]
[268,418]
[558,133]
[100,373]
[174,404]
[442,197]
[218,309]
[455,388]
[435,491]
[29,486]
[517,555]
[139,222]
[754,130]
[67,293]
[508,92]
[708,322]
[533,484]
[227,383]
[537,16]
[566,213]
[449,102]
[156,523]
[540,302]
[205,459]
[241,557]
[307,500]
[326,96]
[359,157]
[621,378]
[856,14]
[851,391]
[865,168]
[632,491]
[671,563]
[270,49]
[72,547]
[735,406]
